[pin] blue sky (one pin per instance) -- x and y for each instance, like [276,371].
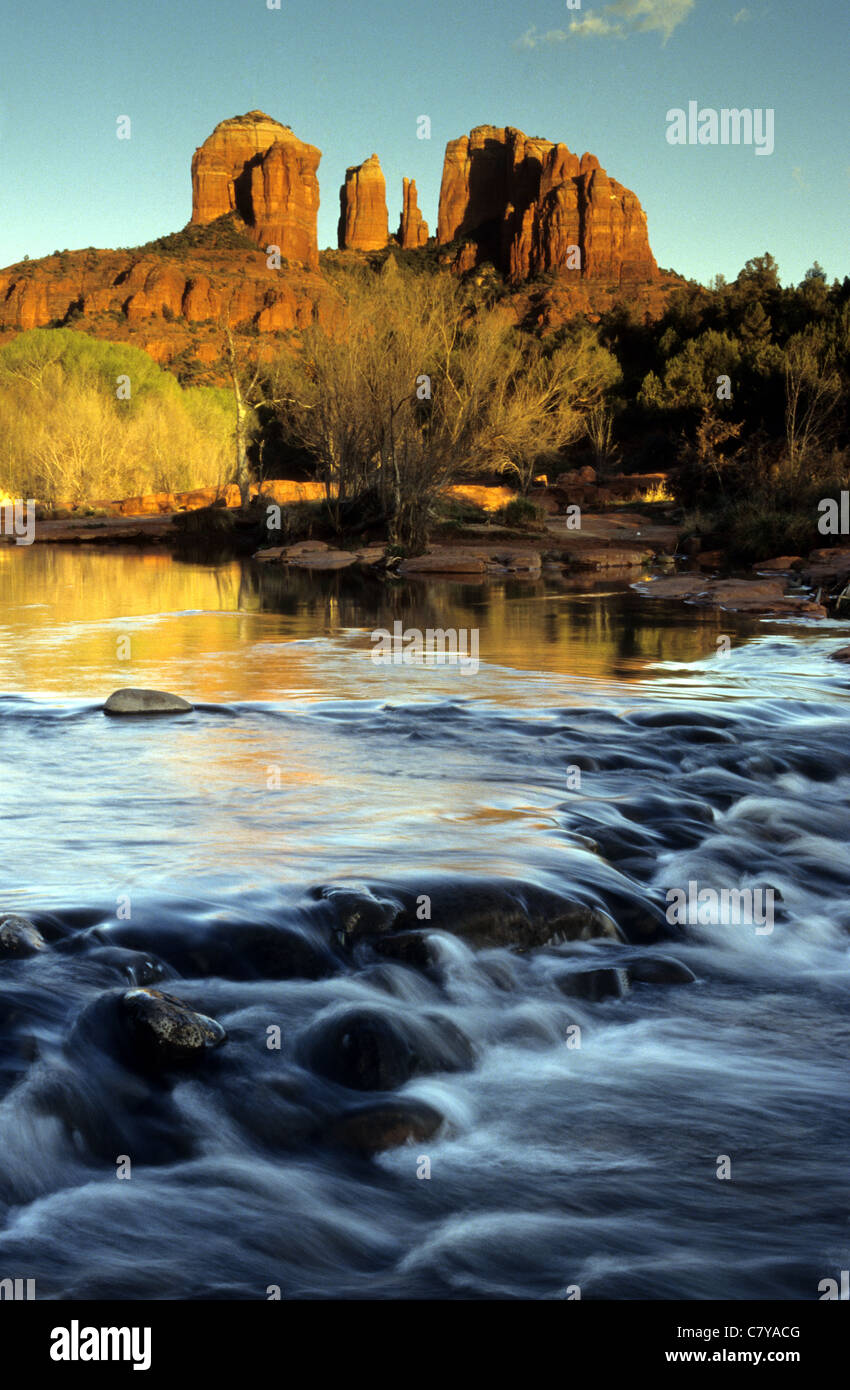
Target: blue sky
[353,78]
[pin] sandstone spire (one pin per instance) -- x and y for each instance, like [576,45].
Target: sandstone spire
[363,217]
[413,231]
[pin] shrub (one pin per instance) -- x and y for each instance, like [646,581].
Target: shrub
[68,437]
[521,512]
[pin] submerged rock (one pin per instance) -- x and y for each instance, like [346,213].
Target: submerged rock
[231,950]
[407,947]
[132,700]
[19,937]
[606,983]
[485,915]
[482,912]
[371,1049]
[577,922]
[374,1128]
[660,970]
[166,1030]
[515,915]
[137,967]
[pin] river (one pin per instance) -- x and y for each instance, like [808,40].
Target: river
[628,1138]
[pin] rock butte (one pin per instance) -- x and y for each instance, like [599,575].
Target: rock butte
[413,230]
[522,202]
[257,167]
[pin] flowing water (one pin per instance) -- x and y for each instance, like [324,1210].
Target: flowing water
[681,1140]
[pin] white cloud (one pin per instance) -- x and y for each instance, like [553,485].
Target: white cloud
[741,17]
[592,25]
[648,15]
[527,40]
[620,18]
[531,38]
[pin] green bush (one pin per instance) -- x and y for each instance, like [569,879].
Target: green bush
[226,233]
[521,512]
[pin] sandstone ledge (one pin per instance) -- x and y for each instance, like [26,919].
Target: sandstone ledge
[766,597]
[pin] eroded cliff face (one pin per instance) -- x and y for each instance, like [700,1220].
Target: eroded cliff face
[530,206]
[363,216]
[172,306]
[258,168]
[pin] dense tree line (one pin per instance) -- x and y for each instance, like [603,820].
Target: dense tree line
[740,390]
[744,389]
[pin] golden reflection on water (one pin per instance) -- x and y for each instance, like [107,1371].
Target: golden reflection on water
[80,622]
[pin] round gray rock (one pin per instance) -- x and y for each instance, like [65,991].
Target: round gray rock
[18,937]
[132,700]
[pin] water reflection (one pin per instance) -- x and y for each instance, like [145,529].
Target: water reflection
[83,621]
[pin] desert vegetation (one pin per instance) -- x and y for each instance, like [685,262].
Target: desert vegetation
[428,384]
[83,419]
[740,391]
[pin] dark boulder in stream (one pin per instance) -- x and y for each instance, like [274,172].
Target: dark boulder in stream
[481,912]
[371,1049]
[372,1129]
[166,1031]
[131,700]
[145,1030]
[136,967]
[607,983]
[231,950]
[660,970]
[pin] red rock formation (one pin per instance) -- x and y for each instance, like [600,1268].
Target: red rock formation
[363,217]
[256,167]
[165,304]
[530,206]
[412,231]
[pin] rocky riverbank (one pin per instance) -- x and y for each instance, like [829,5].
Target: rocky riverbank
[582,527]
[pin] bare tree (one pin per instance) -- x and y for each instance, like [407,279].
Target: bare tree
[542,401]
[812,394]
[599,427]
[244,382]
[394,400]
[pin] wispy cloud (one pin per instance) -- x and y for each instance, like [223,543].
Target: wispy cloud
[617,20]
[741,17]
[531,38]
[799,177]
[593,25]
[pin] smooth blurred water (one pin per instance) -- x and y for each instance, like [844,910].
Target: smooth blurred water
[306,764]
